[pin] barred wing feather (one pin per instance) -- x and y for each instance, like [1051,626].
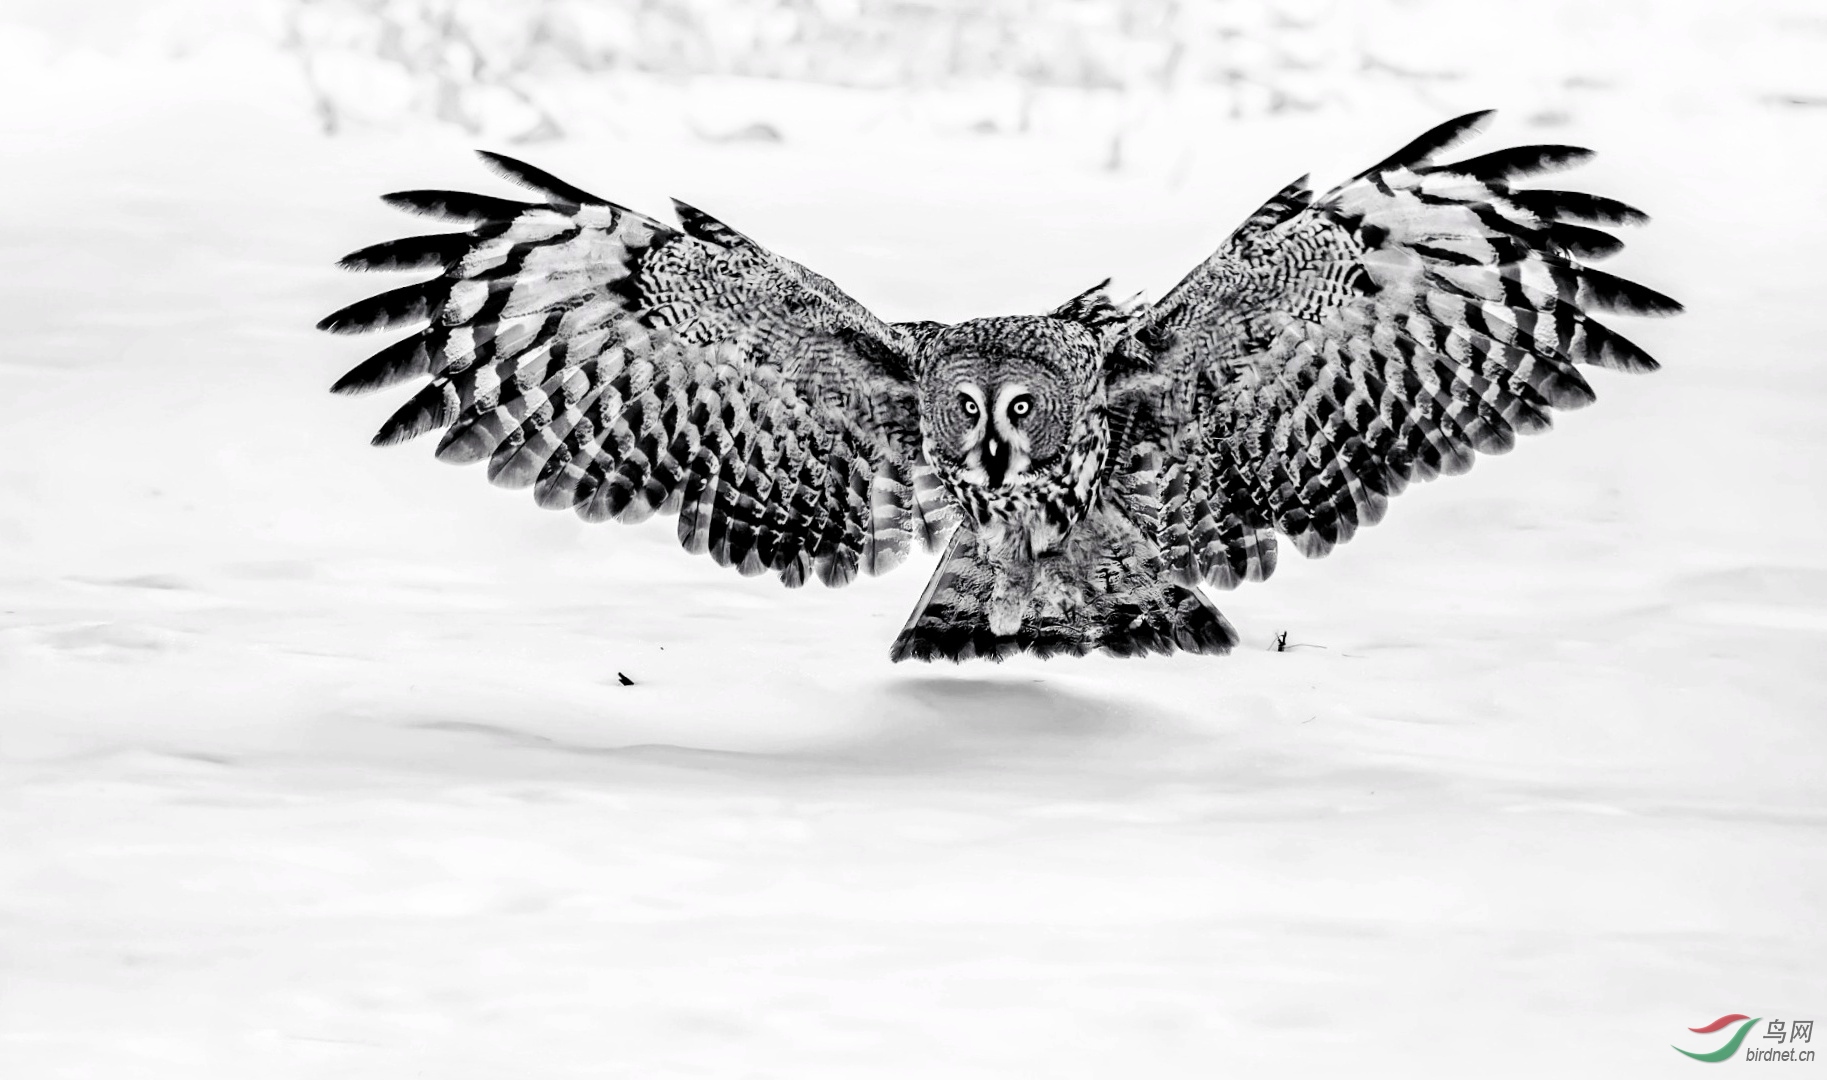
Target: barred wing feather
[622,367]
[1337,347]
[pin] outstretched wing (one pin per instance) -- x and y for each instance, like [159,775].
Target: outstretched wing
[1337,347]
[622,367]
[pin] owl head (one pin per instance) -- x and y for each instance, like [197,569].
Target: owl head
[1003,400]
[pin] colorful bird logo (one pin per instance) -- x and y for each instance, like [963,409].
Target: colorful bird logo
[1732,1045]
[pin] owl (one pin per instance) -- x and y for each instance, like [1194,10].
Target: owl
[1086,470]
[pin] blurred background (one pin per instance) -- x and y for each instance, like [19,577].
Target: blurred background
[1124,81]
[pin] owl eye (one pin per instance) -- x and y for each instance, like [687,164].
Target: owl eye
[969,405]
[1021,406]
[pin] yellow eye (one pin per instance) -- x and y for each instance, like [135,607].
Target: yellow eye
[969,405]
[1021,406]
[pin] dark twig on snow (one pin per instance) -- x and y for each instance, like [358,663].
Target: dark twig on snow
[1282,644]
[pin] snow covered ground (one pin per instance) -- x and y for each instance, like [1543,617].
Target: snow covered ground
[314,760]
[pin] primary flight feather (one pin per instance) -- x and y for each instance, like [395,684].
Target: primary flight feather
[1087,469]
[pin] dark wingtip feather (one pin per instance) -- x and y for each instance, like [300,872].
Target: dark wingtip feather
[396,363]
[1284,204]
[1584,242]
[432,407]
[456,205]
[1311,544]
[539,180]
[1499,165]
[396,307]
[1578,206]
[435,252]
[1092,309]
[1608,292]
[1601,346]
[470,440]
[699,224]
[1434,140]
[1566,388]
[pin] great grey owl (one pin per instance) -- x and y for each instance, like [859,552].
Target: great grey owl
[1086,469]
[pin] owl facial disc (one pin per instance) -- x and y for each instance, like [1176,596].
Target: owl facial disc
[995,448]
[1005,447]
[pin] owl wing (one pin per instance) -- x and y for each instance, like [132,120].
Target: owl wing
[621,367]
[1337,347]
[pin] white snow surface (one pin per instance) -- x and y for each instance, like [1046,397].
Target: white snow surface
[314,760]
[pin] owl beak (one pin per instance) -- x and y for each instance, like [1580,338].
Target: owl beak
[995,460]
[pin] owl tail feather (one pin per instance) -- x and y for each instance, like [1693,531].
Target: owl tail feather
[1123,606]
